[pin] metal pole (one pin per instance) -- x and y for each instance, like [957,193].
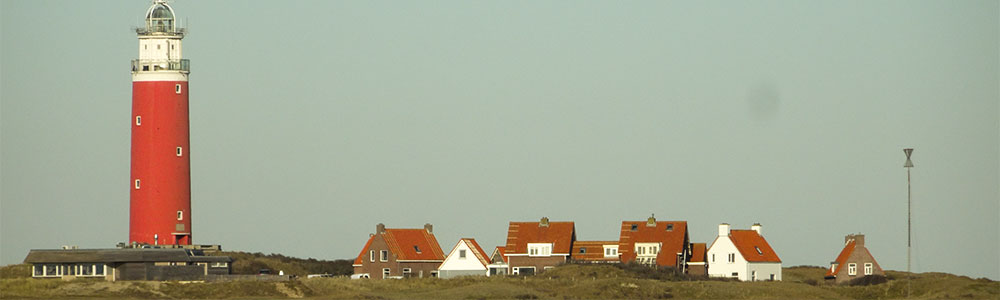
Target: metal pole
[909,234]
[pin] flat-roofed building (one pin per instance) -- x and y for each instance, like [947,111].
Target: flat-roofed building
[127,264]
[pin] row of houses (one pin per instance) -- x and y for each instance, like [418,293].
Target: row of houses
[534,247]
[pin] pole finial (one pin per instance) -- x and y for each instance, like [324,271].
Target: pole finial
[908,152]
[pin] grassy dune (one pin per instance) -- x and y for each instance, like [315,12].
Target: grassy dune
[569,281]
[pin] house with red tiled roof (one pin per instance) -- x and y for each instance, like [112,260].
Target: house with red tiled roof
[743,254]
[399,253]
[697,264]
[498,262]
[854,262]
[655,243]
[467,258]
[533,247]
[595,252]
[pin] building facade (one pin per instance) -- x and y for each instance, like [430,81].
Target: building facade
[399,253]
[655,243]
[533,247]
[467,258]
[743,254]
[160,187]
[127,264]
[854,262]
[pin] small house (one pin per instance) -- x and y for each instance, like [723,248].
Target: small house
[465,259]
[498,262]
[854,262]
[533,247]
[655,243]
[743,254]
[399,253]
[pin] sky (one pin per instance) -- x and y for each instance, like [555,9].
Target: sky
[313,121]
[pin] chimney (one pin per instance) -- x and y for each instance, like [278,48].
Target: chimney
[756,227]
[724,229]
[859,240]
[380,228]
[544,222]
[848,238]
[651,222]
[429,228]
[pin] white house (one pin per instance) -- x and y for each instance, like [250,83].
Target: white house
[743,254]
[465,259]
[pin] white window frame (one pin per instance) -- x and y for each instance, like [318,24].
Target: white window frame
[461,254]
[178,89]
[386,272]
[219,264]
[852,269]
[407,270]
[539,249]
[515,270]
[753,275]
[138,120]
[371,255]
[611,251]
[137,184]
[869,268]
[180,215]
[180,151]
[732,258]
[383,255]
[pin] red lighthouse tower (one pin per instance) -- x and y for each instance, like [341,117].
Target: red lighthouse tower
[160,199]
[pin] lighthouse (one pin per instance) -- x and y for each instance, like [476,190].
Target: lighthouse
[160,197]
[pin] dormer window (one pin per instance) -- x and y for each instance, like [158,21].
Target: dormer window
[539,249]
[635,227]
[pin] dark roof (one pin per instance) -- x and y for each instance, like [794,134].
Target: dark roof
[119,255]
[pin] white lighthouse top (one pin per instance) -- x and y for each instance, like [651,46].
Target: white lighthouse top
[160,20]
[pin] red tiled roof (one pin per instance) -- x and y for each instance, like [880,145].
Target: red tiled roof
[500,250]
[594,251]
[401,243]
[749,242]
[698,252]
[560,234]
[671,242]
[841,259]
[477,250]
[358,261]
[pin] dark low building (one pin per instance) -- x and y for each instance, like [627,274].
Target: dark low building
[127,264]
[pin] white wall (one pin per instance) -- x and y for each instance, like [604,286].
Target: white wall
[470,262]
[764,270]
[721,267]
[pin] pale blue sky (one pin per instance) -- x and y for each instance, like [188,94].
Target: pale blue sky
[311,121]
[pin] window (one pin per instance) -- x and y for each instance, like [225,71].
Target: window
[635,227]
[385,273]
[732,257]
[758,250]
[736,274]
[416,248]
[583,250]
[145,67]
[137,184]
[371,256]
[461,254]
[539,249]
[157,46]
[180,152]
[383,255]
[670,227]
[868,268]
[852,269]
[753,275]
[407,270]
[51,270]
[526,271]
[219,264]
[611,251]
[654,250]
[433,273]
[180,215]
[772,277]
[138,120]
[177,88]
[713,257]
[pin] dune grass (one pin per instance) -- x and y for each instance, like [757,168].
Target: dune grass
[564,282]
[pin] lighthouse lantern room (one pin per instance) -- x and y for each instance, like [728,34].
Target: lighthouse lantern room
[160,198]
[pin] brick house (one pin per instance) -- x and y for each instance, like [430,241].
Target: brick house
[854,262]
[697,265]
[655,243]
[399,253]
[533,247]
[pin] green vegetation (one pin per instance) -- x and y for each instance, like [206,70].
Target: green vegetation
[568,281]
[252,263]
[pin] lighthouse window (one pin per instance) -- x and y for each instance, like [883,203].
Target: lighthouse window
[180,215]
[138,120]
[137,184]
[177,88]
[180,151]
[157,47]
